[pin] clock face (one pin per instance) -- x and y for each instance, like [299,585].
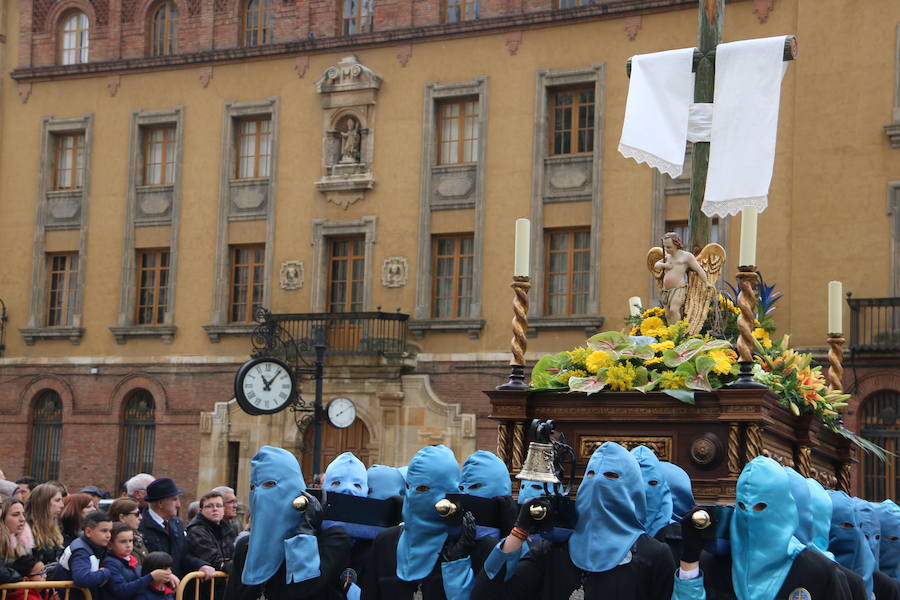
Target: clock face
[341,412]
[264,386]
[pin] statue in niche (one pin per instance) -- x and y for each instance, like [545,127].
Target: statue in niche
[350,139]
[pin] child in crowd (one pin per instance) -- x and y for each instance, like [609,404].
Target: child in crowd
[31,569]
[125,579]
[80,562]
[158,591]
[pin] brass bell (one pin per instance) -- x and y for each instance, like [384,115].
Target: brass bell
[445,507]
[301,503]
[538,464]
[538,512]
[701,519]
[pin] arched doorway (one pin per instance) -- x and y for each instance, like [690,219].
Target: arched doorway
[335,441]
[881,424]
[138,435]
[46,435]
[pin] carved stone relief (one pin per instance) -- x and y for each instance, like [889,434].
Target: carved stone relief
[567,178]
[291,275]
[394,272]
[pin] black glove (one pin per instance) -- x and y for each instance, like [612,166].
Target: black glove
[528,523]
[461,548]
[693,538]
[311,517]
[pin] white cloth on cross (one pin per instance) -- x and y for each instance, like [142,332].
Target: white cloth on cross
[741,124]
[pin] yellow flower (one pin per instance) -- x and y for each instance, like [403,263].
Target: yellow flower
[620,378]
[671,380]
[653,326]
[723,361]
[653,361]
[727,305]
[660,346]
[635,330]
[763,336]
[579,355]
[563,378]
[672,332]
[656,311]
[597,360]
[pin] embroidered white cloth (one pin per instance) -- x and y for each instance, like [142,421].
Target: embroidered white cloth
[745,125]
[656,112]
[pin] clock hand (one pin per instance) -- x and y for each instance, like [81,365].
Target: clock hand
[267,384]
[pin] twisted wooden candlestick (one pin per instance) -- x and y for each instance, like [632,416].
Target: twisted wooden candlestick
[518,344]
[836,361]
[747,278]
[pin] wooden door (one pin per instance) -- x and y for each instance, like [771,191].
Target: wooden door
[335,441]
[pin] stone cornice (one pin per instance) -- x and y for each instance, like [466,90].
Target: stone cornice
[430,33]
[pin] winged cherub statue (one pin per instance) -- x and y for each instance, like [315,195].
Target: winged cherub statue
[686,283]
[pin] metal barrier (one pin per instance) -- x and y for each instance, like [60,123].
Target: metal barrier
[44,585]
[197,578]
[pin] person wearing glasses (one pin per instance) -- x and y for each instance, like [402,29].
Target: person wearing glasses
[128,511]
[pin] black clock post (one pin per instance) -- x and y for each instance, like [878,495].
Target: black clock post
[318,412]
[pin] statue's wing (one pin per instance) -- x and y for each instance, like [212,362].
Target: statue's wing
[655,255]
[696,305]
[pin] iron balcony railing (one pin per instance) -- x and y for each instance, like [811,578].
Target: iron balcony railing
[342,333]
[874,324]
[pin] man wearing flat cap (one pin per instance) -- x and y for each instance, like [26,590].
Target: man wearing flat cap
[163,531]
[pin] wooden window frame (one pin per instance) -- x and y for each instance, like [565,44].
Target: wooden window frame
[576,119]
[257,155]
[50,431]
[264,27]
[158,268]
[461,140]
[464,7]
[65,308]
[79,33]
[167,168]
[162,37]
[251,266]
[570,251]
[78,149]
[564,4]
[880,479]
[457,275]
[350,258]
[360,22]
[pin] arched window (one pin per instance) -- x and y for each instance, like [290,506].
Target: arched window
[139,437]
[257,22]
[46,433]
[74,35]
[881,424]
[162,29]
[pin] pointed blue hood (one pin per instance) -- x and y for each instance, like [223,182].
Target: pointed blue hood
[800,492]
[680,485]
[889,518]
[656,490]
[763,546]
[871,528]
[433,473]
[847,541]
[611,509]
[484,475]
[385,482]
[820,505]
[346,475]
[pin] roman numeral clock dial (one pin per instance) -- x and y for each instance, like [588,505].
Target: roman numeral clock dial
[264,386]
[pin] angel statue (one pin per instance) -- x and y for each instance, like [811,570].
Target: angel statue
[686,283]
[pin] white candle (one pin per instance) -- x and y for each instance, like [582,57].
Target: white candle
[634,306]
[523,248]
[747,257]
[835,307]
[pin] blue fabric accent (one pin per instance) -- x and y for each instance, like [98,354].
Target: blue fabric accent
[403,471]
[301,558]
[458,578]
[529,490]
[274,518]
[889,518]
[642,340]
[611,510]
[688,589]
[485,475]
[871,528]
[656,490]
[498,558]
[355,530]
[820,506]
[385,482]
[424,531]
[346,475]
[800,492]
[763,546]
[354,592]
[680,487]
[847,541]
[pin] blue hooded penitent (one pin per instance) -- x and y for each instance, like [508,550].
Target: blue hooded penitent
[889,518]
[868,523]
[433,473]
[385,482]
[346,475]
[656,489]
[763,546]
[847,541]
[680,486]
[820,505]
[611,509]
[275,480]
[800,492]
[484,475]
[530,489]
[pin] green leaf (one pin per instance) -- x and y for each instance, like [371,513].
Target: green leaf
[641,352]
[545,370]
[685,396]
[609,341]
[589,385]
[654,376]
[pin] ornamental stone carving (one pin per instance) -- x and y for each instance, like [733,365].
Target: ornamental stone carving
[348,75]
[291,275]
[394,272]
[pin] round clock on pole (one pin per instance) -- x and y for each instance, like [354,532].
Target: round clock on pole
[264,386]
[341,412]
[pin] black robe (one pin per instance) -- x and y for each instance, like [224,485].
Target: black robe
[885,587]
[811,570]
[547,573]
[855,583]
[334,556]
[670,535]
[380,581]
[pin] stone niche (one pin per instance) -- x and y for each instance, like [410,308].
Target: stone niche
[348,93]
